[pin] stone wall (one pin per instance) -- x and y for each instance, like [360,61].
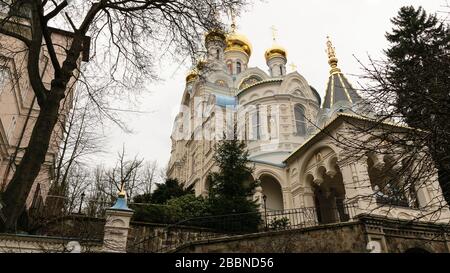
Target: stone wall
[401,236]
[148,237]
[141,236]
[347,237]
[394,237]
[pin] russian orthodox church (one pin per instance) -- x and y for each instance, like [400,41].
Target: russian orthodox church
[282,119]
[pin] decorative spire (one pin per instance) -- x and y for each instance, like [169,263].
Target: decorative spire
[332,59]
[122,193]
[121,202]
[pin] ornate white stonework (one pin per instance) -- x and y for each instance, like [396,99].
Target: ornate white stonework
[278,114]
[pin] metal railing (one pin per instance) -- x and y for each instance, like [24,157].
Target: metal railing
[210,227]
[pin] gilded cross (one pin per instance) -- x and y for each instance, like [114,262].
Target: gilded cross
[274,33]
[233,20]
[293,67]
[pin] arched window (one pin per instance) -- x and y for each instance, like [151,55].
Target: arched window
[238,67]
[230,67]
[11,128]
[300,123]
[281,70]
[269,121]
[217,54]
[256,122]
[385,182]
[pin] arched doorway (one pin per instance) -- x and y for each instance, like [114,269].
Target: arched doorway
[329,198]
[324,187]
[271,189]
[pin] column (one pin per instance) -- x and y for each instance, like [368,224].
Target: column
[117,225]
[358,189]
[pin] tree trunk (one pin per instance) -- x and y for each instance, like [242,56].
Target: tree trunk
[444,181]
[19,187]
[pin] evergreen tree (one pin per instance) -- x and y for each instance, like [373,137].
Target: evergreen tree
[231,188]
[418,74]
[164,192]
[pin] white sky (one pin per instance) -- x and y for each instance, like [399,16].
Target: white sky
[357,27]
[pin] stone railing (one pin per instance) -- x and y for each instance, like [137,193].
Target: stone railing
[16,243]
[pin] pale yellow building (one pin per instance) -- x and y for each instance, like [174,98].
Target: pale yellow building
[19,108]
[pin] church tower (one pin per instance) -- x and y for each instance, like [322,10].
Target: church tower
[237,52]
[276,58]
[215,42]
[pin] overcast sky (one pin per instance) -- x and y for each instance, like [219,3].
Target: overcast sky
[357,27]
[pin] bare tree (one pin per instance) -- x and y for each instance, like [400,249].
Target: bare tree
[149,176]
[77,141]
[125,175]
[126,36]
[105,183]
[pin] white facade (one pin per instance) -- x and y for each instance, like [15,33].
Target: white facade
[279,116]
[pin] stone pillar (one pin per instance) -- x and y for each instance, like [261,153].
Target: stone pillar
[117,225]
[357,186]
[287,198]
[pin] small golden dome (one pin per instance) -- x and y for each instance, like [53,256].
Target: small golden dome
[238,42]
[275,51]
[191,76]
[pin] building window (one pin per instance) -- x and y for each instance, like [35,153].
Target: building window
[11,128]
[254,135]
[386,184]
[193,164]
[230,67]
[37,198]
[256,124]
[246,127]
[238,67]
[281,70]
[3,76]
[269,121]
[217,54]
[300,123]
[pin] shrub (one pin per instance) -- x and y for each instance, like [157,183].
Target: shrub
[279,223]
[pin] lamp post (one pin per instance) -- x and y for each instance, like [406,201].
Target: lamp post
[81,202]
[265,210]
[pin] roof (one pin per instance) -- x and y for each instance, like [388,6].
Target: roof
[316,94]
[339,89]
[225,101]
[334,122]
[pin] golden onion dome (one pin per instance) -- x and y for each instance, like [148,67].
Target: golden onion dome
[275,51]
[191,76]
[238,42]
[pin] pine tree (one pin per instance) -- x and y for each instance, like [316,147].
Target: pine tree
[164,192]
[231,188]
[418,73]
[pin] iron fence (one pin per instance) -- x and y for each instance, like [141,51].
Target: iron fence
[210,227]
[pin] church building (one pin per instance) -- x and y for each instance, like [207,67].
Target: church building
[290,132]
